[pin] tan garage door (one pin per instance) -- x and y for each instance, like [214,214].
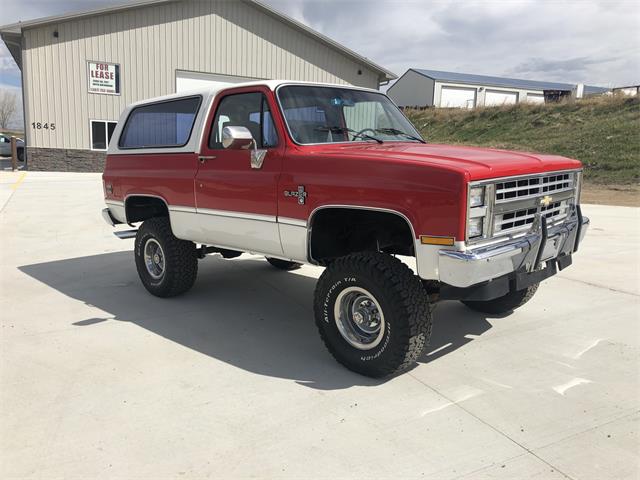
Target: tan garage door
[535,98]
[457,97]
[500,97]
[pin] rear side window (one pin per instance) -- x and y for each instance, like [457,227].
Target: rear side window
[161,125]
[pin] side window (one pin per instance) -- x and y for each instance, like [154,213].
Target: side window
[161,125]
[101,133]
[249,110]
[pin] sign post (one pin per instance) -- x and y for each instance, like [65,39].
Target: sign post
[14,154]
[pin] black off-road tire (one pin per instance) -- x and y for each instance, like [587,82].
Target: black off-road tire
[21,154]
[180,259]
[505,304]
[403,301]
[283,264]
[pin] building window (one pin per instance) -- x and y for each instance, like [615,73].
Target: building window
[101,133]
[161,125]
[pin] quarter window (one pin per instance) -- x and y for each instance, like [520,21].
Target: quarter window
[249,110]
[161,125]
[101,133]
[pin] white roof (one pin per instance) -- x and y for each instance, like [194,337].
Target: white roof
[211,92]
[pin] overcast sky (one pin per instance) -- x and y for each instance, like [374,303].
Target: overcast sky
[590,41]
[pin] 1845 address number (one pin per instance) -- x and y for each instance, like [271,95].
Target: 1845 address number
[43,126]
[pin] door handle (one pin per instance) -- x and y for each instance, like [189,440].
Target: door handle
[204,159]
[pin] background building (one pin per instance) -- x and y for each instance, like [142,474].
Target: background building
[433,88]
[79,71]
[629,90]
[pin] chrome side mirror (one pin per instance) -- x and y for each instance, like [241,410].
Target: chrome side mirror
[239,138]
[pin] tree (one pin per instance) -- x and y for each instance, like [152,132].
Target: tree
[7,108]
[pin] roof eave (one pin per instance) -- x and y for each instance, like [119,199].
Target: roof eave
[13,41]
[422,73]
[19,26]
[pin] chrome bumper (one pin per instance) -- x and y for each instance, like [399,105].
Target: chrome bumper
[477,265]
[106,214]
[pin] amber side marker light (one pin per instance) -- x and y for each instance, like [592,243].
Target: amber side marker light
[426,240]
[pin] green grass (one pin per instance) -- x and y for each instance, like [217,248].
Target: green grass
[602,132]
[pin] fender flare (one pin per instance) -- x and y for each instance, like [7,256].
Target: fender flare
[353,207]
[126,198]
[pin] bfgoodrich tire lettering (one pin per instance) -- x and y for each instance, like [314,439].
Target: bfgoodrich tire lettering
[176,268]
[404,303]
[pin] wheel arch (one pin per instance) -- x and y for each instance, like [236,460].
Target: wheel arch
[399,217]
[142,206]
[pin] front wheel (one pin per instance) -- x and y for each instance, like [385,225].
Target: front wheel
[166,265]
[372,313]
[504,304]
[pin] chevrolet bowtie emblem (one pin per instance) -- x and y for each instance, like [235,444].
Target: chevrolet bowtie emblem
[546,201]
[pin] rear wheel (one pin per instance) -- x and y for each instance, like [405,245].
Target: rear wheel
[167,266]
[505,304]
[372,313]
[283,264]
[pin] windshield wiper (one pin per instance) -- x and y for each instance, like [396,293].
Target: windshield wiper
[395,131]
[356,134]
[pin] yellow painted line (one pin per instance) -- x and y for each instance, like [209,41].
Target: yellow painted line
[19,181]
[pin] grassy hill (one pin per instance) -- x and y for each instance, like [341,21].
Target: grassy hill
[602,132]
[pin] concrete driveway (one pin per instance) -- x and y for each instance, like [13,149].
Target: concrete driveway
[101,380]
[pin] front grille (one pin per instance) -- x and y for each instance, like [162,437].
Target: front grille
[532,187]
[515,220]
[511,205]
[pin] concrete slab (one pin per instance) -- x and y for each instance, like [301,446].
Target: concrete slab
[98,379]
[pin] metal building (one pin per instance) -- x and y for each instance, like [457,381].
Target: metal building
[434,88]
[80,71]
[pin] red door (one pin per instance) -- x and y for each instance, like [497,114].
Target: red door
[236,203]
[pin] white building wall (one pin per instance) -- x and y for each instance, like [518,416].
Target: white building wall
[150,44]
[481,92]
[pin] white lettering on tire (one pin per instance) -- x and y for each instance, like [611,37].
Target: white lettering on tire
[379,352]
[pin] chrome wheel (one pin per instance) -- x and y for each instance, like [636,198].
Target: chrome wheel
[359,318]
[154,258]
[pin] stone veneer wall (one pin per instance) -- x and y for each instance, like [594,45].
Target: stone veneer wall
[62,160]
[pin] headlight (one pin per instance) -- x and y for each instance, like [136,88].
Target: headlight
[476,197]
[474,228]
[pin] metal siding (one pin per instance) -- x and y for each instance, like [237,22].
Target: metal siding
[412,90]
[150,44]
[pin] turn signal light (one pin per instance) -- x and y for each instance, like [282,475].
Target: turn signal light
[426,240]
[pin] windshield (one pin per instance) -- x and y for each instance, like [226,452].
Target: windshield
[316,114]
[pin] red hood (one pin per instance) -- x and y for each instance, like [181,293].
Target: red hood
[478,163]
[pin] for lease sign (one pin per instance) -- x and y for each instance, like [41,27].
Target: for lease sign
[104,78]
